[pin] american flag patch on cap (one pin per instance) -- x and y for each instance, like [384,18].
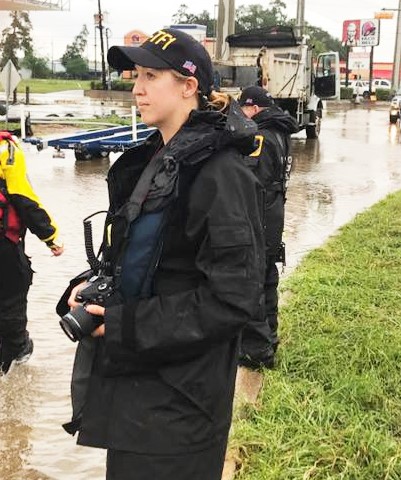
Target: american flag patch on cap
[188,65]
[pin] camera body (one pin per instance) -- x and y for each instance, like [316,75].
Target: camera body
[78,323]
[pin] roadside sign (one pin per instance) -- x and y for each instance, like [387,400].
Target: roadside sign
[9,78]
[384,15]
[351,32]
[359,60]
[361,33]
[370,32]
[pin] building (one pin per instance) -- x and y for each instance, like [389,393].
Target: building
[134,38]
[193,29]
[380,70]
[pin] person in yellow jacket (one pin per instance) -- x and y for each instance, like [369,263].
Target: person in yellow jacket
[20,208]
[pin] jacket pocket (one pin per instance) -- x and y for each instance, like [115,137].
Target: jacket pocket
[225,236]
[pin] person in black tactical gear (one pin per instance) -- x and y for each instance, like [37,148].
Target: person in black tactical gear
[184,246]
[271,163]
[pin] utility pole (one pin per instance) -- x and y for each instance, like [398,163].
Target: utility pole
[395,82]
[225,27]
[108,32]
[104,83]
[299,29]
[397,52]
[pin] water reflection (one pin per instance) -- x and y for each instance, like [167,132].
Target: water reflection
[16,413]
[394,133]
[354,164]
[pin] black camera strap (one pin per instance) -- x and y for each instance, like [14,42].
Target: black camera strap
[133,207]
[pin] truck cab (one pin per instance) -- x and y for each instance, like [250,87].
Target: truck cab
[283,64]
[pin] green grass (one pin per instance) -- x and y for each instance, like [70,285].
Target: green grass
[38,85]
[332,408]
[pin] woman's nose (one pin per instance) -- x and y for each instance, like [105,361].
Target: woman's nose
[137,87]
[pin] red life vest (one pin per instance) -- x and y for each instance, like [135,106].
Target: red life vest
[10,223]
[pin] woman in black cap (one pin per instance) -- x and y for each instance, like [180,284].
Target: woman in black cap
[184,245]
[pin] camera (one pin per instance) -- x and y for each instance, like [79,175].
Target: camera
[78,323]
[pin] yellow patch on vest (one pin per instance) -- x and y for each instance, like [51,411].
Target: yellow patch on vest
[259,141]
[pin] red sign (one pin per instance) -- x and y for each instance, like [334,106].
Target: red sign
[351,32]
[361,33]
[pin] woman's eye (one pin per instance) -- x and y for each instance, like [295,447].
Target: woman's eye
[150,75]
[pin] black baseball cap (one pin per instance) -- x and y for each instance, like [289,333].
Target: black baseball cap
[255,96]
[167,49]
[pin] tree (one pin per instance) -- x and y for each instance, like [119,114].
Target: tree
[72,59]
[37,65]
[15,38]
[324,42]
[203,18]
[77,67]
[256,16]
[252,16]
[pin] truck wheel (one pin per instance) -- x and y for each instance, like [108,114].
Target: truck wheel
[393,118]
[82,155]
[312,131]
[90,155]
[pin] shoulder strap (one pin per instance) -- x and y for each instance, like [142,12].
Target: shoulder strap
[132,208]
[286,160]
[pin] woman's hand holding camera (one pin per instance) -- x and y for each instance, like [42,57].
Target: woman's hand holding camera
[90,308]
[96,310]
[72,302]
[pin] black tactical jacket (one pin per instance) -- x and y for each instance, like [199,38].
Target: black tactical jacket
[163,377]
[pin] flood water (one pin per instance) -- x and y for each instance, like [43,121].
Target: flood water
[356,162]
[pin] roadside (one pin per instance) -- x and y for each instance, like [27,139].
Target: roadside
[62,122]
[331,408]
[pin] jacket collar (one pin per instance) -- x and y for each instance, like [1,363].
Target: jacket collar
[203,134]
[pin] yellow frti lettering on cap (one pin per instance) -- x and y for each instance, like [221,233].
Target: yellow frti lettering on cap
[259,142]
[162,36]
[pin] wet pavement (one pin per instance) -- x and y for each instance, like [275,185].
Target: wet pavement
[356,162]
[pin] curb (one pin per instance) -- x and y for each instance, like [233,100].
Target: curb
[248,385]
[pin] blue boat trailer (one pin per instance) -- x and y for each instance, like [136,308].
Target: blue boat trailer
[91,144]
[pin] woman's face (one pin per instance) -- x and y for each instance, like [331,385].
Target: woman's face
[159,96]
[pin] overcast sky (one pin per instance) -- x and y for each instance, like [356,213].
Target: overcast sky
[54,30]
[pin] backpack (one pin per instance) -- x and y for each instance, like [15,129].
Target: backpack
[10,222]
[274,178]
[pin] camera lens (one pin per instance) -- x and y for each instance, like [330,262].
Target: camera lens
[79,323]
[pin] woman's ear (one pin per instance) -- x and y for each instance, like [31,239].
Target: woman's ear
[190,87]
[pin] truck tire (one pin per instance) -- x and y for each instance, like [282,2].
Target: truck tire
[393,118]
[312,131]
[85,155]
[81,156]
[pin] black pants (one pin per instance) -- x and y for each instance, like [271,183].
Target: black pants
[259,337]
[15,279]
[204,465]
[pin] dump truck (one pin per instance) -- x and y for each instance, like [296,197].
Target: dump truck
[283,64]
